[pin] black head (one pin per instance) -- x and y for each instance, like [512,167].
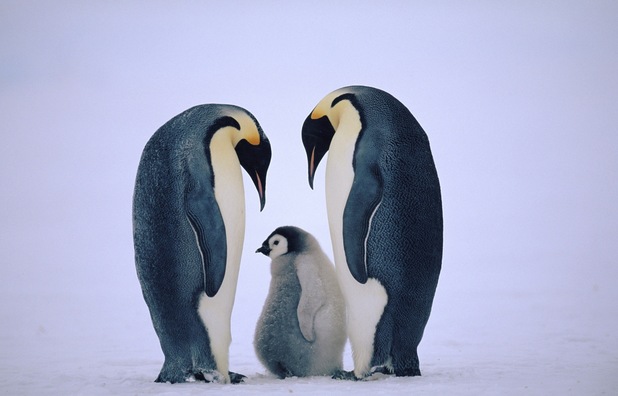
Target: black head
[252,147]
[317,135]
[284,240]
[255,159]
[318,129]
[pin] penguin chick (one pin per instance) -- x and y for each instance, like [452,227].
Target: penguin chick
[302,328]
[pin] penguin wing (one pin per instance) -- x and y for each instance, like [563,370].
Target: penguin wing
[363,201]
[207,223]
[311,298]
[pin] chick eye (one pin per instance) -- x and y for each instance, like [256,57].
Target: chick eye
[276,242]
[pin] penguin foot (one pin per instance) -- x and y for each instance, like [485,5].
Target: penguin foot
[236,378]
[381,370]
[378,372]
[375,373]
[344,375]
[281,371]
[208,376]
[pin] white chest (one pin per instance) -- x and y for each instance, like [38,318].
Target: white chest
[364,302]
[339,176]
[229,191]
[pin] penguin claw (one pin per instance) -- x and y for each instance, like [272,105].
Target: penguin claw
[375,373]
[215,376]
[236,378]
[344,375]
[381,370]
[207,376]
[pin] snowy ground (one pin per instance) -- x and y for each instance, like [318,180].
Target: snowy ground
[518,100]
[520,341]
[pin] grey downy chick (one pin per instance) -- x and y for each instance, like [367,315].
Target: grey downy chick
[302,328]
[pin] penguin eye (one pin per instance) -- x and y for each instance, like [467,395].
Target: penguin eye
[276,242]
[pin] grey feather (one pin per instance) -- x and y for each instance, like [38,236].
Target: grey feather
[312,297]
[301,330]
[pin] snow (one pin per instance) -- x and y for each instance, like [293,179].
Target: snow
[512,343]
[518,101]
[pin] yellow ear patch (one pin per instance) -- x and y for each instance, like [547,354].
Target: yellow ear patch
[335,113]
[252,137]
[317,113]
[324,108]
[248,129]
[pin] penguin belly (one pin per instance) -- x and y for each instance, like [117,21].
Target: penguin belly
[279,343]
[365,303]
[330,339]
[216,311]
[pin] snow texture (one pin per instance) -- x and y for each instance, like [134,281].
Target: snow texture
[519,103]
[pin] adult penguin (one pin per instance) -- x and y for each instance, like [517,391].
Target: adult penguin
[385,217]
[188,228]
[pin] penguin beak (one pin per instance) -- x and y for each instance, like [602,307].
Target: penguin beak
[260,188]
[317,135]
[311,163]
[255,160]
[264,249]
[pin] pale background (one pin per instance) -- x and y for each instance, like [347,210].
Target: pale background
[519,100]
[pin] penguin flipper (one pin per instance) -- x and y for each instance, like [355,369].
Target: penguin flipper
[363,201]
[207,223]
[311,299]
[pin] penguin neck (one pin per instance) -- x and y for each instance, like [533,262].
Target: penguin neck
[339,166]
[281,266]
[345,115]
[339,178]
[228,185]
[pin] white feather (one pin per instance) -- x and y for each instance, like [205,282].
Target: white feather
[364,302]
[229,192]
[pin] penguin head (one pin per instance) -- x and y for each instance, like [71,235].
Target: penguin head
[253,150]
[284,240]
[320,126]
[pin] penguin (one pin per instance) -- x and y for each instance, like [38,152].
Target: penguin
[385,217]
[301,330]
[188,230]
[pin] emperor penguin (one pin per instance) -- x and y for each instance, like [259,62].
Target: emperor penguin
[385,218]
[188,229]
[301,330]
